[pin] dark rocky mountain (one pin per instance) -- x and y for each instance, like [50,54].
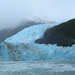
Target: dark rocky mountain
[62,35]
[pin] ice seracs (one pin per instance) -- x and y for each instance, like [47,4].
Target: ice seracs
[22,46]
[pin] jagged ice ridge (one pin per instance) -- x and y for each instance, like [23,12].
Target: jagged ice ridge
[22,47]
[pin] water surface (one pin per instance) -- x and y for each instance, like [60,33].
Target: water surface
[38,67]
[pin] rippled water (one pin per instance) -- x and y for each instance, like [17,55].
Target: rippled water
[38,67]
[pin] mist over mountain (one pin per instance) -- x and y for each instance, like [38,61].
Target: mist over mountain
[7,32]
[16,11]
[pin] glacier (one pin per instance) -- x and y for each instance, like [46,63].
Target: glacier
[22,46]
[4,56]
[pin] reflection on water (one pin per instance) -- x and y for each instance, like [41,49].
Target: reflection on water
[38,67]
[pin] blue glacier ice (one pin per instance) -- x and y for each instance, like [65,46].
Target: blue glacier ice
[4,56]
[22,46]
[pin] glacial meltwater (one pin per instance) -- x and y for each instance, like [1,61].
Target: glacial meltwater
[65,67]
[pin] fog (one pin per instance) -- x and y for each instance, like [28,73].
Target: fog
[13,12]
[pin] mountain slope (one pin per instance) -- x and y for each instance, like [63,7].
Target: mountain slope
[62,34]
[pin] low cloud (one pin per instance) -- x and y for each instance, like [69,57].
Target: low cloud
[13,12]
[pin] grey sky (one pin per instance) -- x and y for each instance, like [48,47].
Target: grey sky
[14,11]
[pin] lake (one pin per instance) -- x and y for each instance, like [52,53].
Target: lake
[65,67]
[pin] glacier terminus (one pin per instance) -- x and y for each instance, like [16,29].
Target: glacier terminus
[22,47]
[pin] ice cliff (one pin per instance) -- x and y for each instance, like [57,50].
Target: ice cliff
[22,46]
[4,56]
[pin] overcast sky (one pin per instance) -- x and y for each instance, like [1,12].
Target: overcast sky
[14,11]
